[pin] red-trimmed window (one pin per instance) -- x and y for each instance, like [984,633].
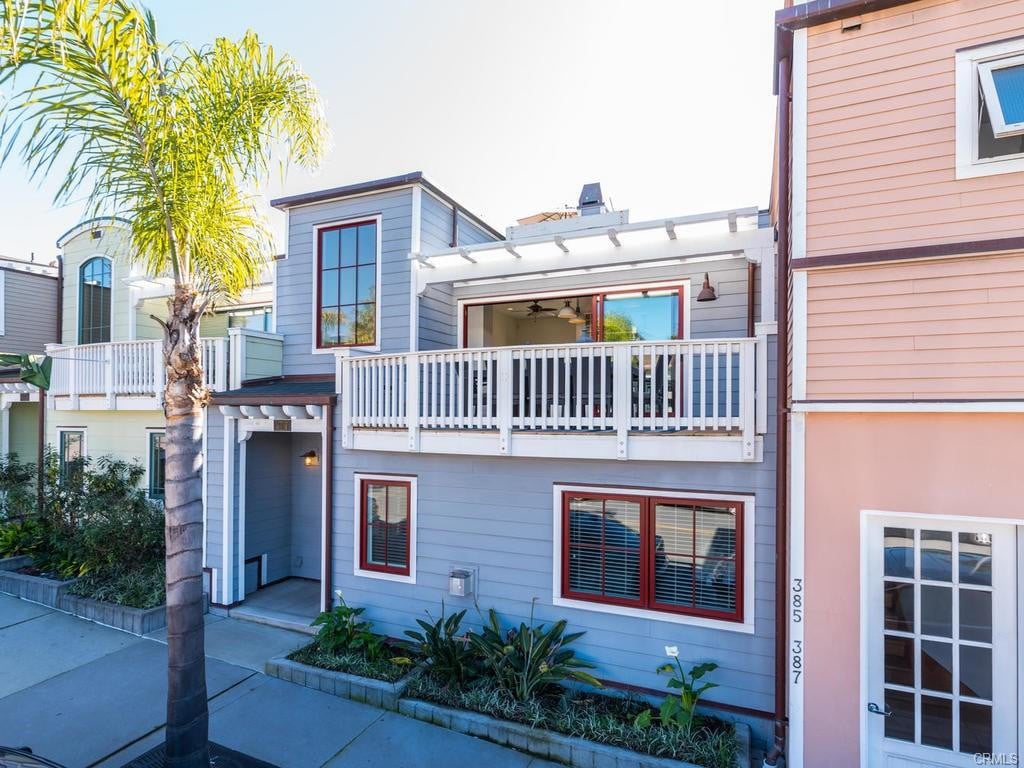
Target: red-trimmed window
[386,522]
[659,553]
[347,286]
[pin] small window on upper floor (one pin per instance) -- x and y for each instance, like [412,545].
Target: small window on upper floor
[990,109]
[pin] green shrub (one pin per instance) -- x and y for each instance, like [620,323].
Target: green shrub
[342,632]
[530,659]
[20,538]
[136,588]
[17,489]
[388,669]
[445,650]
[599,718]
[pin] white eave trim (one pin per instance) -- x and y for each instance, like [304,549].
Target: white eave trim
[676,238]
[918,406]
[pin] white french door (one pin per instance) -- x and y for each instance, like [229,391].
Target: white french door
[941,642]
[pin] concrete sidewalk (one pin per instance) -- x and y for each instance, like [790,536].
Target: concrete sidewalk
[86,695]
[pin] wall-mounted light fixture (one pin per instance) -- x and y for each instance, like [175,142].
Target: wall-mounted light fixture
[707,293]
[97,234]
[310,459]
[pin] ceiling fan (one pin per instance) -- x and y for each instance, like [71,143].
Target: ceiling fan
[536,309]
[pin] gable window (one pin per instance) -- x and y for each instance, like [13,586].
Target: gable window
[94,301]
[990,109]
[386,526]
[657,553]
[157,465]
[72,452]
[347,285]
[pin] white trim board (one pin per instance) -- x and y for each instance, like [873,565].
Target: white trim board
[749,512]
[798,149]
[949,406]
[357,508]
[797,654]
[799,335]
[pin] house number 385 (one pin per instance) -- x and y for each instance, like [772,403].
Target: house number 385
[797,651]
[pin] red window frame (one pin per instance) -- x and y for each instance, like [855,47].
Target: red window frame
[597,307]
[364,563]
[648,562]
[319,280]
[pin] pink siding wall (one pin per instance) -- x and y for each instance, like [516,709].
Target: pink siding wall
[951,328]
[892,463]
[880,131]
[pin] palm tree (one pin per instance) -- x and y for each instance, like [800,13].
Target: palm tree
[176,139]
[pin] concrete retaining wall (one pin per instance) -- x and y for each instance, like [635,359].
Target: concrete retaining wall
[376,692]
[138,621]
[35,588]
[549,745]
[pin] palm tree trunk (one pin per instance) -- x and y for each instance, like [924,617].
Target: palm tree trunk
[184,397]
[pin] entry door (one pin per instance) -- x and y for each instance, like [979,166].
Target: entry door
[941,642]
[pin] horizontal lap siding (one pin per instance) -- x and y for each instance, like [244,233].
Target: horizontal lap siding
[437,306]
[268,492]
[30,312]
[939,329]
[881,130]
[114,245]
[496,514]
[296,290]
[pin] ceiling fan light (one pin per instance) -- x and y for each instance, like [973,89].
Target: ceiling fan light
[566,312]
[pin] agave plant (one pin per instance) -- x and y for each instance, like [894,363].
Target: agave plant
[527,660]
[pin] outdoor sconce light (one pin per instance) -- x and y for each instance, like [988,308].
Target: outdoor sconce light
[460,582]
[707,293]
[310,459]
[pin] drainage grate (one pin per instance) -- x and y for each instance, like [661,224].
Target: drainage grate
[220,757]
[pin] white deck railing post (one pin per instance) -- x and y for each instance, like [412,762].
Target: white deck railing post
[108,374]
[762,384]
[412,400]
[504,397]
[346,393]
[159,372]
[236,354]
[221,352]
[622,403]
[747,409]
[72,359]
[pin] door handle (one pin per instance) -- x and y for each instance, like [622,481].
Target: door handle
[874,709]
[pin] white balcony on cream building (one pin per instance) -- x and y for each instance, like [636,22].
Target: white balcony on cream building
[687,396]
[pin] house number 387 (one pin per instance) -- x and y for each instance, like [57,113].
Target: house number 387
[797,651]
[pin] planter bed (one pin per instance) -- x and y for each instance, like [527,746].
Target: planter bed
[550,745]
[379,693]
[38,589]
[138,621]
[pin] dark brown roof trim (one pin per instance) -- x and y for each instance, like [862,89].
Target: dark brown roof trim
[936,251]
[818,12]
[378,185]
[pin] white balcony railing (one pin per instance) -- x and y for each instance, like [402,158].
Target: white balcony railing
[621,389]
[126,368]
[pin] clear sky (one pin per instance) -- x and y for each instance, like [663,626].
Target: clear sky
[508,106]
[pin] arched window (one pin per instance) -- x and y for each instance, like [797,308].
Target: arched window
[94,301]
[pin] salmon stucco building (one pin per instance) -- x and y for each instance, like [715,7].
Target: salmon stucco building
[901,189]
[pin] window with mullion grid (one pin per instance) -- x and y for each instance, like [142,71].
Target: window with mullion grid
[386,521]
[660,553]
[347,290]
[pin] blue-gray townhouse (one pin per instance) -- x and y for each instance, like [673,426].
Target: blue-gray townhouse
[574,418]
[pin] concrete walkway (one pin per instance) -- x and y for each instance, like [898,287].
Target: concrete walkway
[86,695]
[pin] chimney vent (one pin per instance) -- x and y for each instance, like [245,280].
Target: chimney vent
[591,200]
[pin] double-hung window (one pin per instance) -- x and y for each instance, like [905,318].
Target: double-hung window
[663,553]
[990,109]
[347,285]
[385,526]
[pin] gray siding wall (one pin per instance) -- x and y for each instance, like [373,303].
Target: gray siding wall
[437,325]
[306,503]
[268,501]
[30,312]
[296,291]
[496,514]
[214,467]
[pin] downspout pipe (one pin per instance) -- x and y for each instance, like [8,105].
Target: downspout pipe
[782,416]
